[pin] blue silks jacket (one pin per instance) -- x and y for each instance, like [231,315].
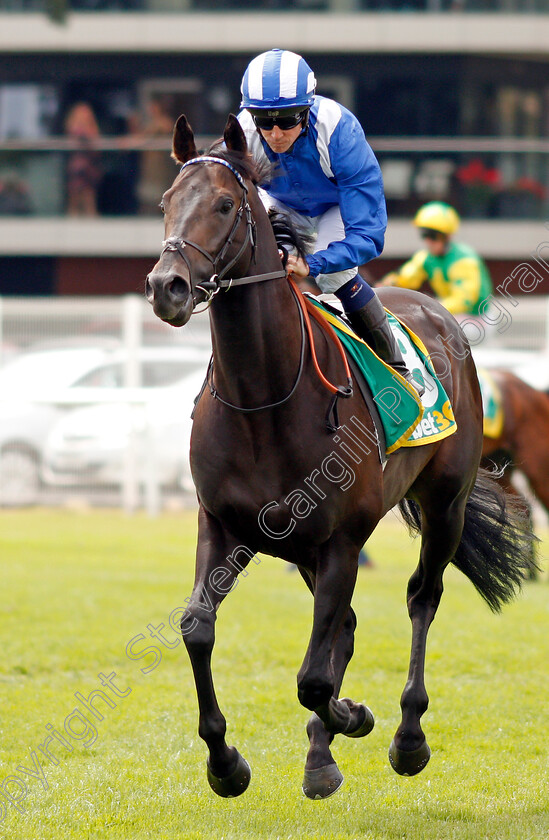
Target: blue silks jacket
[331,163]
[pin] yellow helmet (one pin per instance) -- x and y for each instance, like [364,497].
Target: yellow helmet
[436,215]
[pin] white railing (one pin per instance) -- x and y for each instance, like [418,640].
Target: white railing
[127,335]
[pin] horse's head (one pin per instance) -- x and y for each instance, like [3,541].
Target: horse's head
[208,224]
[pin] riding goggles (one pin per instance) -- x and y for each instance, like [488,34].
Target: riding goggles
[435,235]
[285,121]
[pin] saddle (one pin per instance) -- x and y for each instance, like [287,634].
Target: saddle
[404,417]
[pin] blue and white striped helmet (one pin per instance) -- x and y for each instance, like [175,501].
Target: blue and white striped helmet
[278,79]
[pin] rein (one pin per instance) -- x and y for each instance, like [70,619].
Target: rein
[217,282]
[285,399]
[310,309]
[305,310]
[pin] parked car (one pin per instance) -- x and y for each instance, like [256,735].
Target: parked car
[40,386]
[97,445]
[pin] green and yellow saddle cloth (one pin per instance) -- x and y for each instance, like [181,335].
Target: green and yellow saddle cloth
[408,420]
[492,404]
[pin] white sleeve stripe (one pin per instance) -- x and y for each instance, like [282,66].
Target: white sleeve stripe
[329,115]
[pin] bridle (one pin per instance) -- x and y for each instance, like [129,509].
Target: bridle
[219,280]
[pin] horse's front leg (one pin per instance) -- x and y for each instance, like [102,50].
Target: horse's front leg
[322,776]
[219,560]
[320,677]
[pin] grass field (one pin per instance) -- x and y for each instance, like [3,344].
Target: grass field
[78,589]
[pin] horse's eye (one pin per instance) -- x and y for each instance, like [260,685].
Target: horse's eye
[227,206]
[162,208]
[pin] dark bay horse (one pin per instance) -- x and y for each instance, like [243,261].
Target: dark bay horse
[523,444]
[271,477]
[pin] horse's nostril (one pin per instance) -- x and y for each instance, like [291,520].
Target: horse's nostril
[178,288]
[149,294]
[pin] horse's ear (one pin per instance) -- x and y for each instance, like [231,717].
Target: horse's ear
[234,137]
[183,147]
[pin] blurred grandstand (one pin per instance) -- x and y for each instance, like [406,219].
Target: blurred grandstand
[452,94]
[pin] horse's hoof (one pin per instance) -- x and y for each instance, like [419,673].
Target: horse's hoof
[233,784]
[366,726]
[408,763]
[322,782]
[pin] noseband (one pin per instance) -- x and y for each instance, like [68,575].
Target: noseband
[218,280]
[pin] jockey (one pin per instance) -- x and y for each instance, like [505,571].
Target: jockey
[457,275]
[324,176]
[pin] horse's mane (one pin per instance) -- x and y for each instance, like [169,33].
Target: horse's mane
[288,238]
[243,162]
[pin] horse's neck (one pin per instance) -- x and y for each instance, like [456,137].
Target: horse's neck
[256,342]
[256,327]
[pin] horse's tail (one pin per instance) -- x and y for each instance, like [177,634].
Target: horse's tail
[496,551]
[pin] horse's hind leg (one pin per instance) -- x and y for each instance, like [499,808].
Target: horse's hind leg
[442,528]
[219,561]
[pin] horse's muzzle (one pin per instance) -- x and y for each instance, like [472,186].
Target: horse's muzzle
[170,296]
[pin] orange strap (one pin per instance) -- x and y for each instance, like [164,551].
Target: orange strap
[309,308]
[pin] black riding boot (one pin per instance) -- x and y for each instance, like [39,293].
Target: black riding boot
[370,323]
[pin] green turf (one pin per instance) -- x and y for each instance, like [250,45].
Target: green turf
[77,588]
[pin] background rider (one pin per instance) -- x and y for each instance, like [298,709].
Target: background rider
[456,274]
